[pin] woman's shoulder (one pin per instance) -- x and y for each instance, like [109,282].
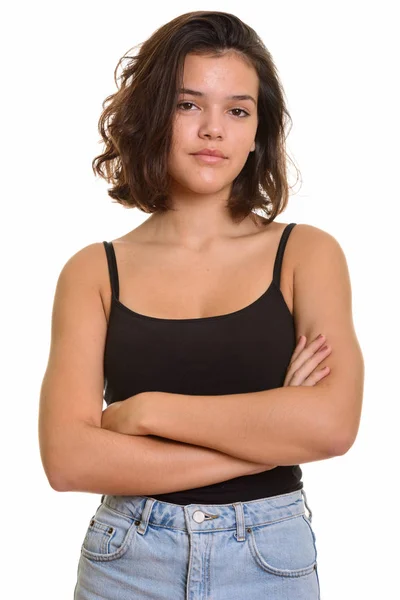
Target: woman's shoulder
[87,258]
[307,239]
[88,264]
[312,233]
[318,262]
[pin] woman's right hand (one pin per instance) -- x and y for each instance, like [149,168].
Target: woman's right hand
[302,370]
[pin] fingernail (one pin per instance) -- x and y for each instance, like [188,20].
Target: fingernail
[323,348]
[320,336]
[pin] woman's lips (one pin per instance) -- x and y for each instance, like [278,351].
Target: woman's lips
[208,158]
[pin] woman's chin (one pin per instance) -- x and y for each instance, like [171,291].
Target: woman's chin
[202,188]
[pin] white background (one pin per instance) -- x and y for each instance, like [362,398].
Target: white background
[338,62]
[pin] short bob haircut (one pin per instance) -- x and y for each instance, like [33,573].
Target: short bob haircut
[136,126]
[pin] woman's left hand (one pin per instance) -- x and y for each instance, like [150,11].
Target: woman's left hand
[125,416]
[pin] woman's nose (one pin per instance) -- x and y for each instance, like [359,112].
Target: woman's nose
[211,126]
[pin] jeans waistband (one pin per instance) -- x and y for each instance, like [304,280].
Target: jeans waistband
[209,517]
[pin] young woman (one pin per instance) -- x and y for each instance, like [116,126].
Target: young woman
[201,328]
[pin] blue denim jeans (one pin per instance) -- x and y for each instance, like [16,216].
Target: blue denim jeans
[137,547]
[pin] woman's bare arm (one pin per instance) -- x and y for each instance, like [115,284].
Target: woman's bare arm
[106,462]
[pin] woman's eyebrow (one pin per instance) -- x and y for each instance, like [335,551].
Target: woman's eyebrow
[234,97]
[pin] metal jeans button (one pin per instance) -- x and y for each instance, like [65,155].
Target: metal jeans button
[198,516]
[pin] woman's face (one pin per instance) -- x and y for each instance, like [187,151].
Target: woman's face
[207,117]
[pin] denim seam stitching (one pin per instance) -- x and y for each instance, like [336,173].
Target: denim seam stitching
[274,570]
[133,517]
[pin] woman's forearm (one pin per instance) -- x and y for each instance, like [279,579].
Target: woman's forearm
[105,462]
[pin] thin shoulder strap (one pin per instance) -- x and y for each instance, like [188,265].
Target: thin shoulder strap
[112,268]
[279,254]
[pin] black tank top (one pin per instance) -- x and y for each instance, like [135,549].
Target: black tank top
[247,350]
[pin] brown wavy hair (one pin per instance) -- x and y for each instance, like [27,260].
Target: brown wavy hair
[136,122]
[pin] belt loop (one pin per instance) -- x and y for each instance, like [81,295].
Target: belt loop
[144,519]
[102,498]
[240,529]
[305,502]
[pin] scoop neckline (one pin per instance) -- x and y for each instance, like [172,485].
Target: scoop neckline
[117,302]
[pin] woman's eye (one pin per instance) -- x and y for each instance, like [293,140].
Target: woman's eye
[185,103]
[246,114]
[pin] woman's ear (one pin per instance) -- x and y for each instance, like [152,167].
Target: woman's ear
[253,147]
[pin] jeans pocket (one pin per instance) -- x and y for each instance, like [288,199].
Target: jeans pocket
[285,548]
[109,534]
